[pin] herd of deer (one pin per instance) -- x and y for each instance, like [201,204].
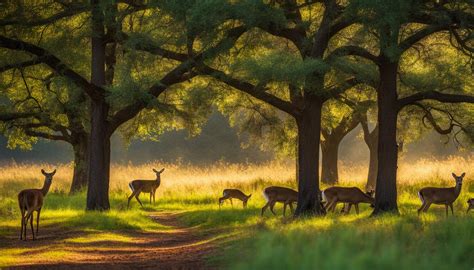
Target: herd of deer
[31,200]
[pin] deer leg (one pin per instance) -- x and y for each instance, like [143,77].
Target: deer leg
[291,208]
[284,208]
[130,198]
[446,207]
[37,220]
[357,208]
[271,207]
[427,206]
[451,206]
[150,196]
[264,208]
[423,204]
[231,203]
[348,210]
[31,224]
[138,199]
[154,196]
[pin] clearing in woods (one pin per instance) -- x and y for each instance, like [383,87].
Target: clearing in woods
[176,247]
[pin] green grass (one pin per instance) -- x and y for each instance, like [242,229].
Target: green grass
[249,241]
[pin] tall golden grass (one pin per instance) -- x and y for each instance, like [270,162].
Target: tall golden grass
[179,178]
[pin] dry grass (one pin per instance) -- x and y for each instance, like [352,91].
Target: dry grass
[179,178]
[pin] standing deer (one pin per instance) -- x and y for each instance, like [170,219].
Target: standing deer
[349,195]
[31,200]
[146,186]
[275,194]
[470,203]
[446,196]
[229,194]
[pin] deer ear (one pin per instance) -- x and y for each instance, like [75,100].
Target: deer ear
[250,195]
[162,170]
[43,172]
[463,174]
[454,175]
[155,170]
[54,172]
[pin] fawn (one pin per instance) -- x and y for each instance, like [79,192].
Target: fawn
[146,186]
[276,194]
[229,194]
[446,196]
[31,200]
[349,195]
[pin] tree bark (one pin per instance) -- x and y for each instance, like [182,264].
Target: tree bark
[309,128]
[329,151]
[386,184]
[373,165]
[81,164]
[99,154]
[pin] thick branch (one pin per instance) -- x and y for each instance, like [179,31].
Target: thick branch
[355,51]
[53,62]
[434,95]
[253,90]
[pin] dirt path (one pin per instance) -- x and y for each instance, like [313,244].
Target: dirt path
[175,248]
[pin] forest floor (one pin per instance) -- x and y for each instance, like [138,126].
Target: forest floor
[175,247]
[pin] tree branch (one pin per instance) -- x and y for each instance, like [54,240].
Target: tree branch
[55,63]
[434,95]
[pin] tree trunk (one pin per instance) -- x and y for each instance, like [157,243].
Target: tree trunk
[99,154]
[99,159]
[309,128]
[329,170]
[386,184]
[373,164]
[81,165]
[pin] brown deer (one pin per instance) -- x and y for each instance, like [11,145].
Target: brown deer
[347,195]
[229,194]
[31,200]
[446,196]
[470,203]
[275,194]
[146,186]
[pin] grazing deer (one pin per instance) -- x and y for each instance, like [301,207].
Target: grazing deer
[31,200]
[275,194]
[446,196]
[470,203]
[229,194]
[349,195]
[145,186]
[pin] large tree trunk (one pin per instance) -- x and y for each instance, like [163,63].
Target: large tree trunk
[99,154]
[309,128]
[99,165]
[386,185]
[81,164]
[329,170]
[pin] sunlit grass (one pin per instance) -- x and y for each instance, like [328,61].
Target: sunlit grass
[332,242]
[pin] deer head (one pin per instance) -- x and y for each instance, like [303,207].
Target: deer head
[47,180]
[458,179]
[158,173]
[246,199]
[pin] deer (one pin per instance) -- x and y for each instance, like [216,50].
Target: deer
[146,186]
[446,196]
[30,200]
[349,195]
[470,204]
[275,194]
[229,194]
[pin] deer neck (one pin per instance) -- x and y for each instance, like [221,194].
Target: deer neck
[158,180]
[45,187]
[457,189]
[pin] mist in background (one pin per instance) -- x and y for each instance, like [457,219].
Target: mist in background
[217,142]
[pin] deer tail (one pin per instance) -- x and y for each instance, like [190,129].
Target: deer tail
[323,197]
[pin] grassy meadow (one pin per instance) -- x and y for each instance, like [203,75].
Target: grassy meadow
[243,239]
